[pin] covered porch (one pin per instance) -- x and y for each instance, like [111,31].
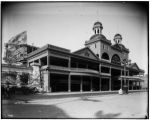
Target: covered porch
[133,82]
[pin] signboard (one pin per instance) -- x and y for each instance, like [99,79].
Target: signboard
[13,49]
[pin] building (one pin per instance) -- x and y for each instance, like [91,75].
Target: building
[99,66]
[16,49]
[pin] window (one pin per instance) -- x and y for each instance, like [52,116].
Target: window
[116,59]
[95,45]
[105,69]
[36,61]
[86,54]
[98,31]
[97,55]
[105,56]
[21,55]
[103,46]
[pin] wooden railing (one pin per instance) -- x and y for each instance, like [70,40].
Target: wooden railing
[105,74]
[84,70]
[73,69]
[59,67]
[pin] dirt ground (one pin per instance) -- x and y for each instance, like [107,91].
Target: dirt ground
[132,105]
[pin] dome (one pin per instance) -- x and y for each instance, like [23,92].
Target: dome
[117,36]
[97,37]
[97,25]
[121,47]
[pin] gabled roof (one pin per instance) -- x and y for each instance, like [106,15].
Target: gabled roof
[86,52]
[134,66]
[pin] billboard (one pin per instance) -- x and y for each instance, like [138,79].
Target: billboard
[14,50]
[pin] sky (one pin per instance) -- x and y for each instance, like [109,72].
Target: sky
[69,24]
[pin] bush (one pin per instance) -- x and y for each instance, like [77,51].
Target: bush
[28,90]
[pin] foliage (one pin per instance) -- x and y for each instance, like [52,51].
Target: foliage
[10,73]
[24,77]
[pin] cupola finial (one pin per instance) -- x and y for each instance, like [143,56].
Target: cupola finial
[97,28]
[117,38]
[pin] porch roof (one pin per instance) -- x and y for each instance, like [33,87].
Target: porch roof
[132,78]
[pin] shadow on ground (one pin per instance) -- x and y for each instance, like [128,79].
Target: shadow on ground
[45,96]
[32,111]
[100,114]
[87,99]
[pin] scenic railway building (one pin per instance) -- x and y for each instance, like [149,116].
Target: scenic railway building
[99,66]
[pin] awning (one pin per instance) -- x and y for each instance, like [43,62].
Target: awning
[132,78]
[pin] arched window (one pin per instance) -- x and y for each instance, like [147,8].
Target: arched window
[116,59]
[105,56]
[97,55]
[98,31]
[95,31]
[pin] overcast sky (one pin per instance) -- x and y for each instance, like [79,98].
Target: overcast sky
[69,24]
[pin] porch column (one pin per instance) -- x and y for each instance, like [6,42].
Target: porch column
[81,84]
[125,76]
[40,62]
[110,79]
[121,79]
[69,76]
[69,83]
[132,85]
[100,83]
[139,86]
[109,83]
[69,63]
[100,68]
[128,84]
[48,64]
[40,73]
[91,84]
[135,85]
[100,77]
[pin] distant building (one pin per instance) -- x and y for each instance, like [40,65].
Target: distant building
[145,82]
[16,49]
[99,66]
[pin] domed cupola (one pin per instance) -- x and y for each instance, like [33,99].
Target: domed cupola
[97,28]
[117,39]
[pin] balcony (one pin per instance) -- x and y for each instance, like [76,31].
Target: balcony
[83,70]
[105,74]
[53,67]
